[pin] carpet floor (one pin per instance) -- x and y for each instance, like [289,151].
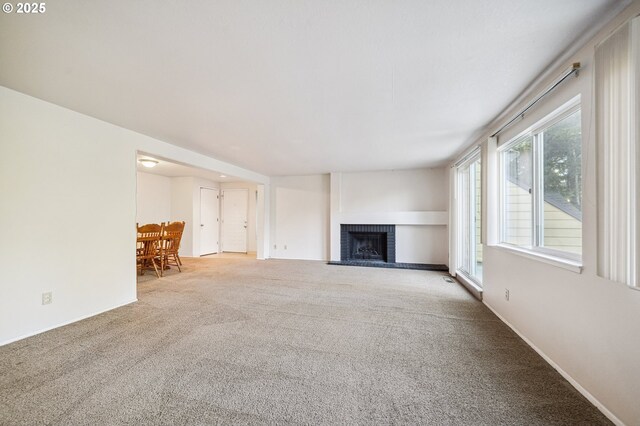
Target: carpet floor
[241,341]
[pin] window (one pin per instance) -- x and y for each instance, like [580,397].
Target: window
[468,207]
[541,186]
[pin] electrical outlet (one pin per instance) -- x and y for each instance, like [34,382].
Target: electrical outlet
[285,246]
[275,247]
[506,294]
[47,298]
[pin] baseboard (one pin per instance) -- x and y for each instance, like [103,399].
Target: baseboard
[563,373]
[15,339]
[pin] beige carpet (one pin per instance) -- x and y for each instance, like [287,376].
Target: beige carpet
[298,342]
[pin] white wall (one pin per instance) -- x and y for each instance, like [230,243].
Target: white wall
[395,191]
[422,244]
[252,189]
[587,326]
[68,180]
[153,198]
[300,217]
[416,201]
[182,211]
[263,216]
[68,206]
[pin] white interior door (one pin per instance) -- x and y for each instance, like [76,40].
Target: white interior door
[235,204]
[209,221]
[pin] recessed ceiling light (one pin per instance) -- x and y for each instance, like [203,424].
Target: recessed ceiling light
[223,176]
[147,162]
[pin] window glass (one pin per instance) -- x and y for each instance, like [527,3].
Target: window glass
[518,201]
[562,177]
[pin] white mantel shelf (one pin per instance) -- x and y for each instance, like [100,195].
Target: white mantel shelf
[394,218]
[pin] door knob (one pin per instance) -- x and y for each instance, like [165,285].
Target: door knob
[202,224]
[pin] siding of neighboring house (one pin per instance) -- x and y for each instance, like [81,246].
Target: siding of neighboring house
[518,214]
[562,231]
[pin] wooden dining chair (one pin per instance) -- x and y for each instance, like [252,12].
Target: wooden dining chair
[148,246]
[170,245]
[180,239]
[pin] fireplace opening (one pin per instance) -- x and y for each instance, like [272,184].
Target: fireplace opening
[368,243]
[369,246]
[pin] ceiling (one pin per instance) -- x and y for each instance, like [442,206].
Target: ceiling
[172,169]
[287,87]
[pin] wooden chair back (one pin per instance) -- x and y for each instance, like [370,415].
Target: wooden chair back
[150,230]
[148,246]
[171,237]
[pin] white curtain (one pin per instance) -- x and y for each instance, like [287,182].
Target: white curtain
[617,97]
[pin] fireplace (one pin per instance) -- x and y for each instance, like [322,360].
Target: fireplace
[368,243]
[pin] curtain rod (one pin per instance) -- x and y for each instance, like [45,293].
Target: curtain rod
[572,70]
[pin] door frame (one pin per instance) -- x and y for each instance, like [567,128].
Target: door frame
[217,208]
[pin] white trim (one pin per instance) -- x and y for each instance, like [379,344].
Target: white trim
[395,218]
[62,324]
[560,262]
[491,187]
[592,399]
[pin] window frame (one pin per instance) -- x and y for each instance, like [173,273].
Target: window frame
[536,132]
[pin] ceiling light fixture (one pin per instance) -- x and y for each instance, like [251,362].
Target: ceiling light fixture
[223,176]
[147,162]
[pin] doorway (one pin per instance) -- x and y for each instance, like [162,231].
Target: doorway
[235,206]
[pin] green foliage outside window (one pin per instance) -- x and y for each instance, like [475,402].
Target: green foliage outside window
[563,160]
